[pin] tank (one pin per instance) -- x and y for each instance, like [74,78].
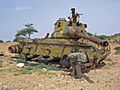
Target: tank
[64,39]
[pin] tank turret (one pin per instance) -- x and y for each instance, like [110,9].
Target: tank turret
[63,31]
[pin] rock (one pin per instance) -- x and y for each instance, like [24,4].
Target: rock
[81,89]
[58,75]
[20,65]
[44,69]
[39,85]
[97,81]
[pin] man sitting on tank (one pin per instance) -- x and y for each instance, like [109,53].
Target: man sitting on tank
[74,17]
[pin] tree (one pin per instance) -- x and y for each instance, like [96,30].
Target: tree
[30,30]
[26,32]
[21,33]
[104,37]
[1,41]
[8,41]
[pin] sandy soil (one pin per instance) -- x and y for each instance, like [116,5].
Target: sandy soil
[4,46]
[105,78]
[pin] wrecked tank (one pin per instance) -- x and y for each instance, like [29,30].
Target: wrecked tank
[64,40]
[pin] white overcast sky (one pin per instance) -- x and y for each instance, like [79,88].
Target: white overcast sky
[102,16]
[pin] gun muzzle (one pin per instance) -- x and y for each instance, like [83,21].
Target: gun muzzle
[104,43]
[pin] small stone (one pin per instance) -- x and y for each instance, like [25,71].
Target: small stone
[44,69]
[58,75]
[20,65]
[67,82]
[81,89]
[97,81]
[39,85]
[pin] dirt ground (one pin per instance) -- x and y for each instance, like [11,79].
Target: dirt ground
[105,78]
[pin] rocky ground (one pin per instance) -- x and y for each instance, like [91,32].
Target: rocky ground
[105,78]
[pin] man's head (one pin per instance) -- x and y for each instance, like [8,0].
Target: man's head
[65,56]
[73,10]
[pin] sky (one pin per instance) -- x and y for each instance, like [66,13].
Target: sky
[101,16]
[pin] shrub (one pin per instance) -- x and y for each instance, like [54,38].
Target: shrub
[1,41]
[104,37]
[21,60]
[117,50]
[8,41]
[48,67]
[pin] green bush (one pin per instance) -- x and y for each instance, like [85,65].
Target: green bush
[104,37]
[1,41]
[24,71]
[8,41]
[29,68]
[48,67]
[21,61]
[117,50]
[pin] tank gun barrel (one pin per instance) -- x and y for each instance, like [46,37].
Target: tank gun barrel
[95,40]
[77,33]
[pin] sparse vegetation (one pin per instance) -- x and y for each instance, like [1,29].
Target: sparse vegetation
[48,67]
[25,33]
[115,38]
[40,68]
[117,50]
[1,41]
[30,69]
[19,71]
[21,60]
[1,62]
[8,41]
[104,37]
